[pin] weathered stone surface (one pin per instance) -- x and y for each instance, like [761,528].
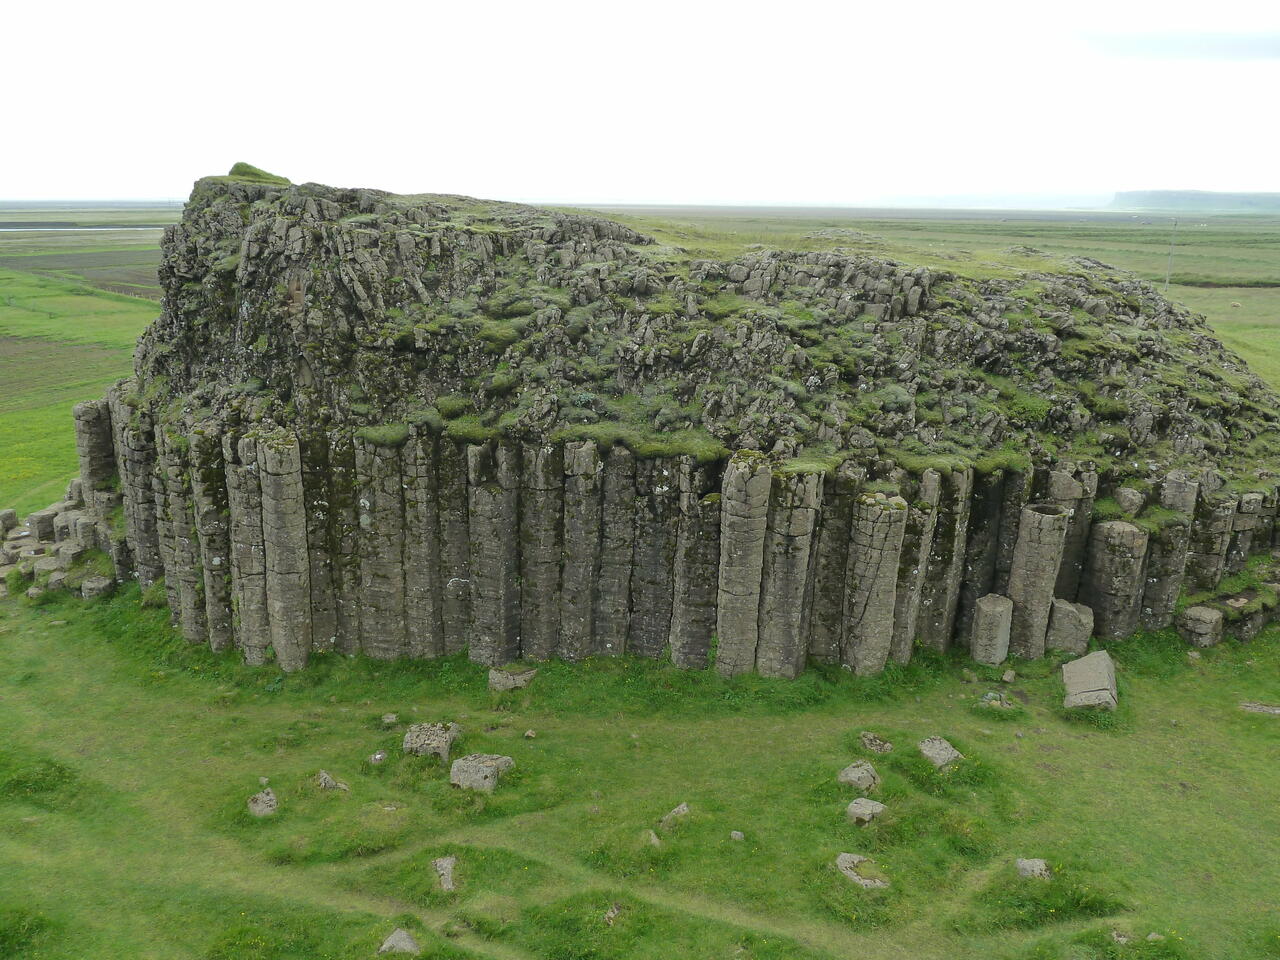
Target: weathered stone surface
[913,563]
[1073,488]
[1129,500]
[541,548]
[674,816]
[284,537]
[8,520]
[989,637]
[1243,525]
[423,585]
[95,587]
[859,774]
[1090,682]
[325,781]
[95,445]
[873,743]
[250,624]
[344,541]
[455,545]
[612,608]
[1114,581]
[1037,563]
[1166,565]
[657,511]
[263,803]
[939,752]
[183,570]
[431,739]
[982,549]
[793,509]
[212,523]
[444,867]
[400,941]
[1200,626]
[502,679]
[941,593]
[381,513]
[1265,708]
[1033,869]
[583,493]
[1210,538]
[1070,627]
[313,446]
[861,870]
[863,810]
[744,520]
[875,549]
[479,771]
[695,578]
[493,491]
[830,563]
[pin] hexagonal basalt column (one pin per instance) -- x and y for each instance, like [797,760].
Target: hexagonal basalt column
[1033,575]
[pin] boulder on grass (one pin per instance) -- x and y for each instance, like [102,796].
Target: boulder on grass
[1200,626]
[1070,627]
[939,752]
[862,871]
[1090,682]
[431,739]
[502,679]
[1033,869]
[859,774]
[863,810]
[263,803]
[443,867]
[95,587]
[479,771]
[400,941]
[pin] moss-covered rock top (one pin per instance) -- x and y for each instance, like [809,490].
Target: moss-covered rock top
[364,310]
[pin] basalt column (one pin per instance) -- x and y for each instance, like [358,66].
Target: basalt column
[941,592]
[344,541]
[455,544]
[284,538]
[830,562]
[315,490]
[744,521]
[1075,490]
[782,646]
[136,460]
[612,609]
[1167,554]
[493,489]
[250,623]
[1113,580]
[209,499]
[423,587]
[382,543]
[184,569]
[875,551]
[695,580]
[164,526]
[1210,540]
[657,512]
[94,446]
[583,488]
[1037,559]
[981,548]
[913,567]
[541,548]
[1015,493]
[1243,524]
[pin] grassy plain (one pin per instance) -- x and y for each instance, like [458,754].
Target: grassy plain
[128,756]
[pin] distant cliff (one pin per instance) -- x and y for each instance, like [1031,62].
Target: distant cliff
[1197,200]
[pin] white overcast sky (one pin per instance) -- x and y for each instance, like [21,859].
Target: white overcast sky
[650,102]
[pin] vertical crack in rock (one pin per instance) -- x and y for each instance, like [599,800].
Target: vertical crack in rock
[455,545]
[184,570]
[250,623]
[344,542]
[541,548]
[941,592]
[1072,488]
[284,538]
[917,539]
[1037,560]
[875,551]
[794,502]
[1210,540]
[612,611]
[381,503]
[314,445]
[209,500]
[423,589]
[1015,494]
[583,493]
[981,549]
[826,617]
[744,519]
[493,489]
[657,512]
[1113,579]
[695,579]
[1167,553]
[137,467]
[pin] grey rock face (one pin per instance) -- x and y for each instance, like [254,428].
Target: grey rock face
[541,548]
[1037,561]
[479,771]
[612,608]
[8,520]
[695,577]
[381,539]
[913,563]
[325,781]
[583,490]
[263,803]
[939,752]
[1167,553]
[1210,538]
[284,536]
[674,816]
[860,870]
[1200,626]
[1090,682]
[1074,490]
[444,867]
[744,518]
[873,743]
[493,491]
[431,739]
[251,624]
[503,679]
[989,639]
[1070,627]
[656,514]
[94,587]
[940,595]
[875,550]
[1033,869]
[793,511]
[1113,582]
[830,562]
[400,941]
[863,810]
[859,774]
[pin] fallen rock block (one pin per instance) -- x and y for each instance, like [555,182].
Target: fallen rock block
[1200,626]
[400,941]
[94,588]
[431,740]
[1033,869]
[859,774]
[502,680]
[8,520]
[326,782]
[939,752]
[444,870]
[863,810]
[989,635]
[874,743]
[264,803]
[1250,707]
[1070,627]
[862,871]
[479,771]
[737,835]
[677,814]
[1090,682]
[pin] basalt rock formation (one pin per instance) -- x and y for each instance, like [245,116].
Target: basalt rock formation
[411,425]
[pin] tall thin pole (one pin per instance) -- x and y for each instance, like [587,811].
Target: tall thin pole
[1169,269]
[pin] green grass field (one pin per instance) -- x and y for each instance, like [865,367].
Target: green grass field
[128,756]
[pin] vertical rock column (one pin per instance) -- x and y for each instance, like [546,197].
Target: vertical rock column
[941,593]
[583,488]
[164,525]
[744,521]
[981,548]
[137,462]
[782,645]
[657,513]
[1210,540]
[830,562]
[541,548]
[611,613]
[875,551]
[493,490]
[184,569]
[1073,489]
[94,446]
[1113,578]
[250,623]
[695,580]
[383,632]
[344,541]
[209,500]
[453,500]
[913,567]
[423,588]
[1037,560]
[1167,553]
[314,445]
[1243,524]
[1015,494]
[284,539]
